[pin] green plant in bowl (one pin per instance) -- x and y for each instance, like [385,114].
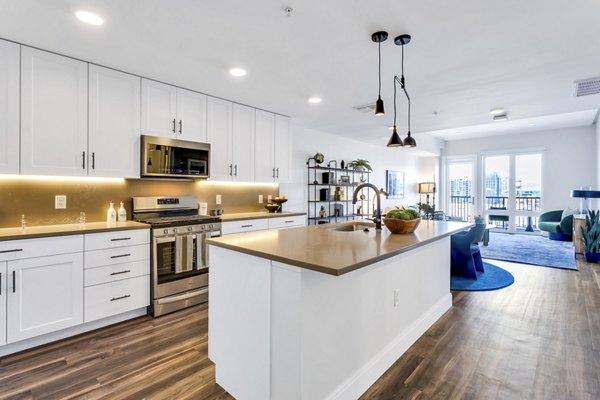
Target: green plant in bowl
[405,214]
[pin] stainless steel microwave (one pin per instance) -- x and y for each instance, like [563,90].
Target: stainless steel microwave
[174,158]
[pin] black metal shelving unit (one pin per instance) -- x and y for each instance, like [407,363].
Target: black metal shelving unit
[337,199]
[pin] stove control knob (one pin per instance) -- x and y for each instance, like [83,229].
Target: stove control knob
[210,226]
[190,228]
[175,230]
[166,231]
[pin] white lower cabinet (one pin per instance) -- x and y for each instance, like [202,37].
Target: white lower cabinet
[262,224]
[117,297]
[3,290]
[45,294]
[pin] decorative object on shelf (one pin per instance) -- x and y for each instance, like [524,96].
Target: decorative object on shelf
[394,184]
[342,165]
[322,212]
[402,220]
[328,178]
[339,194]
[379,37]
[591,236]
[337,210]
[427,189]
[584,195]
[395,140]
[345,180]
[360,165]
[324,194]
[319,158]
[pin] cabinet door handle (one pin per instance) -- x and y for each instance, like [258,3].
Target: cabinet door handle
[119,239]
[247,226]
[120,297]
[277,173]
[235,170]
[180,127]
[93,160]
[174,125]
[14,281]
[288,222]
[230,169]
[83,160]
[273,173]
[121,255]
[11,251]
[120,272]
[0,283]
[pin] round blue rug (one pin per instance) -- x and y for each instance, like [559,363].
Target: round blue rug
[493,278]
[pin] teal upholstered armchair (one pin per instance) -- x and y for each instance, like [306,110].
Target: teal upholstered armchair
[557,226]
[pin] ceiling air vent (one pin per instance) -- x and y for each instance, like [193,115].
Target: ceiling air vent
[586,87]
[367,108]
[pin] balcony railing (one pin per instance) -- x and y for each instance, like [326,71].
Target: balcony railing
[460,206]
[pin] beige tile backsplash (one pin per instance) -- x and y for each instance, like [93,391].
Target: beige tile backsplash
[35,197]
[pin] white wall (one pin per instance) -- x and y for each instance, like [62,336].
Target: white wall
[307,142]
[569,159]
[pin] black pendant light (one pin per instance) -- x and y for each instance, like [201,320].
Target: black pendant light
[379,37]
[409,141]
[395,140]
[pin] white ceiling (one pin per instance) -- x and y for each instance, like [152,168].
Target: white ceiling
[466,56]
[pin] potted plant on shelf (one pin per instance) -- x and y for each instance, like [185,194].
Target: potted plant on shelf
[360,165]
[591,236]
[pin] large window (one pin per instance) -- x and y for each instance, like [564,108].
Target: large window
[513,191]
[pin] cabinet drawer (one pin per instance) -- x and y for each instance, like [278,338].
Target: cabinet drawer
[117,272]
[107,240]
[119,255]
[31,248]
[114,298]
[249,225]
[287,222]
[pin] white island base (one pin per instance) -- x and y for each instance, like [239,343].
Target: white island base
[278,331]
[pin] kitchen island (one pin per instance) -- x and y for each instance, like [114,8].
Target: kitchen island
[321,312]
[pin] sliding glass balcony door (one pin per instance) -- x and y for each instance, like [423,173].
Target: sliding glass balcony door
[460,189]
[513,191]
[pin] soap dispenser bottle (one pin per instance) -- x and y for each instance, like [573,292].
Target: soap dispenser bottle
[111,214]
[122,217]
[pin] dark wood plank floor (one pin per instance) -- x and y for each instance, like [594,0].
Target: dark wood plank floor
[538,339]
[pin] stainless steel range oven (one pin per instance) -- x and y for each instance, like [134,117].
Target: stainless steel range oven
[179,250]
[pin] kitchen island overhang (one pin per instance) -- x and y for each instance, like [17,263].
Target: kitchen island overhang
[311,313]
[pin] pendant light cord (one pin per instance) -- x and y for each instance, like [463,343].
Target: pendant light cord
[395,79]
[379,46]
[403,87]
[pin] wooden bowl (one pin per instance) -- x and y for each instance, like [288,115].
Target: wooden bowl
[401,225]
[272,207]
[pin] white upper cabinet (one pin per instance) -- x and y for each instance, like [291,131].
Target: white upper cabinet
[283,149]
[219,135]
[114,123]
[159,109]
[242,144]
[9,107]
[264,153]
[273,148]
[191,115]
[54,100]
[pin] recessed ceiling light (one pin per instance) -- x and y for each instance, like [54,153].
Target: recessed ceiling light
[89,17]
[502,117]
[497,111]
[238,72]
[531,124]
[314,100]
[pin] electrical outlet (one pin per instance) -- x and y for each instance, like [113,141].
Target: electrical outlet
[260,199]
[269,199]
[218,199]
[60,202]
[396,297]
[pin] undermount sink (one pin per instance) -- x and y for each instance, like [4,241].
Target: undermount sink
[350,226]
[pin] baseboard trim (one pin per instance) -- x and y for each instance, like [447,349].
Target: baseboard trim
[16,347]
[359,382]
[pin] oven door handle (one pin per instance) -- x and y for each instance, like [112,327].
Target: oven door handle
[185,296]
[167,239]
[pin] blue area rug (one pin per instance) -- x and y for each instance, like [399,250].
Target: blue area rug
[493,278]
[530,249]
